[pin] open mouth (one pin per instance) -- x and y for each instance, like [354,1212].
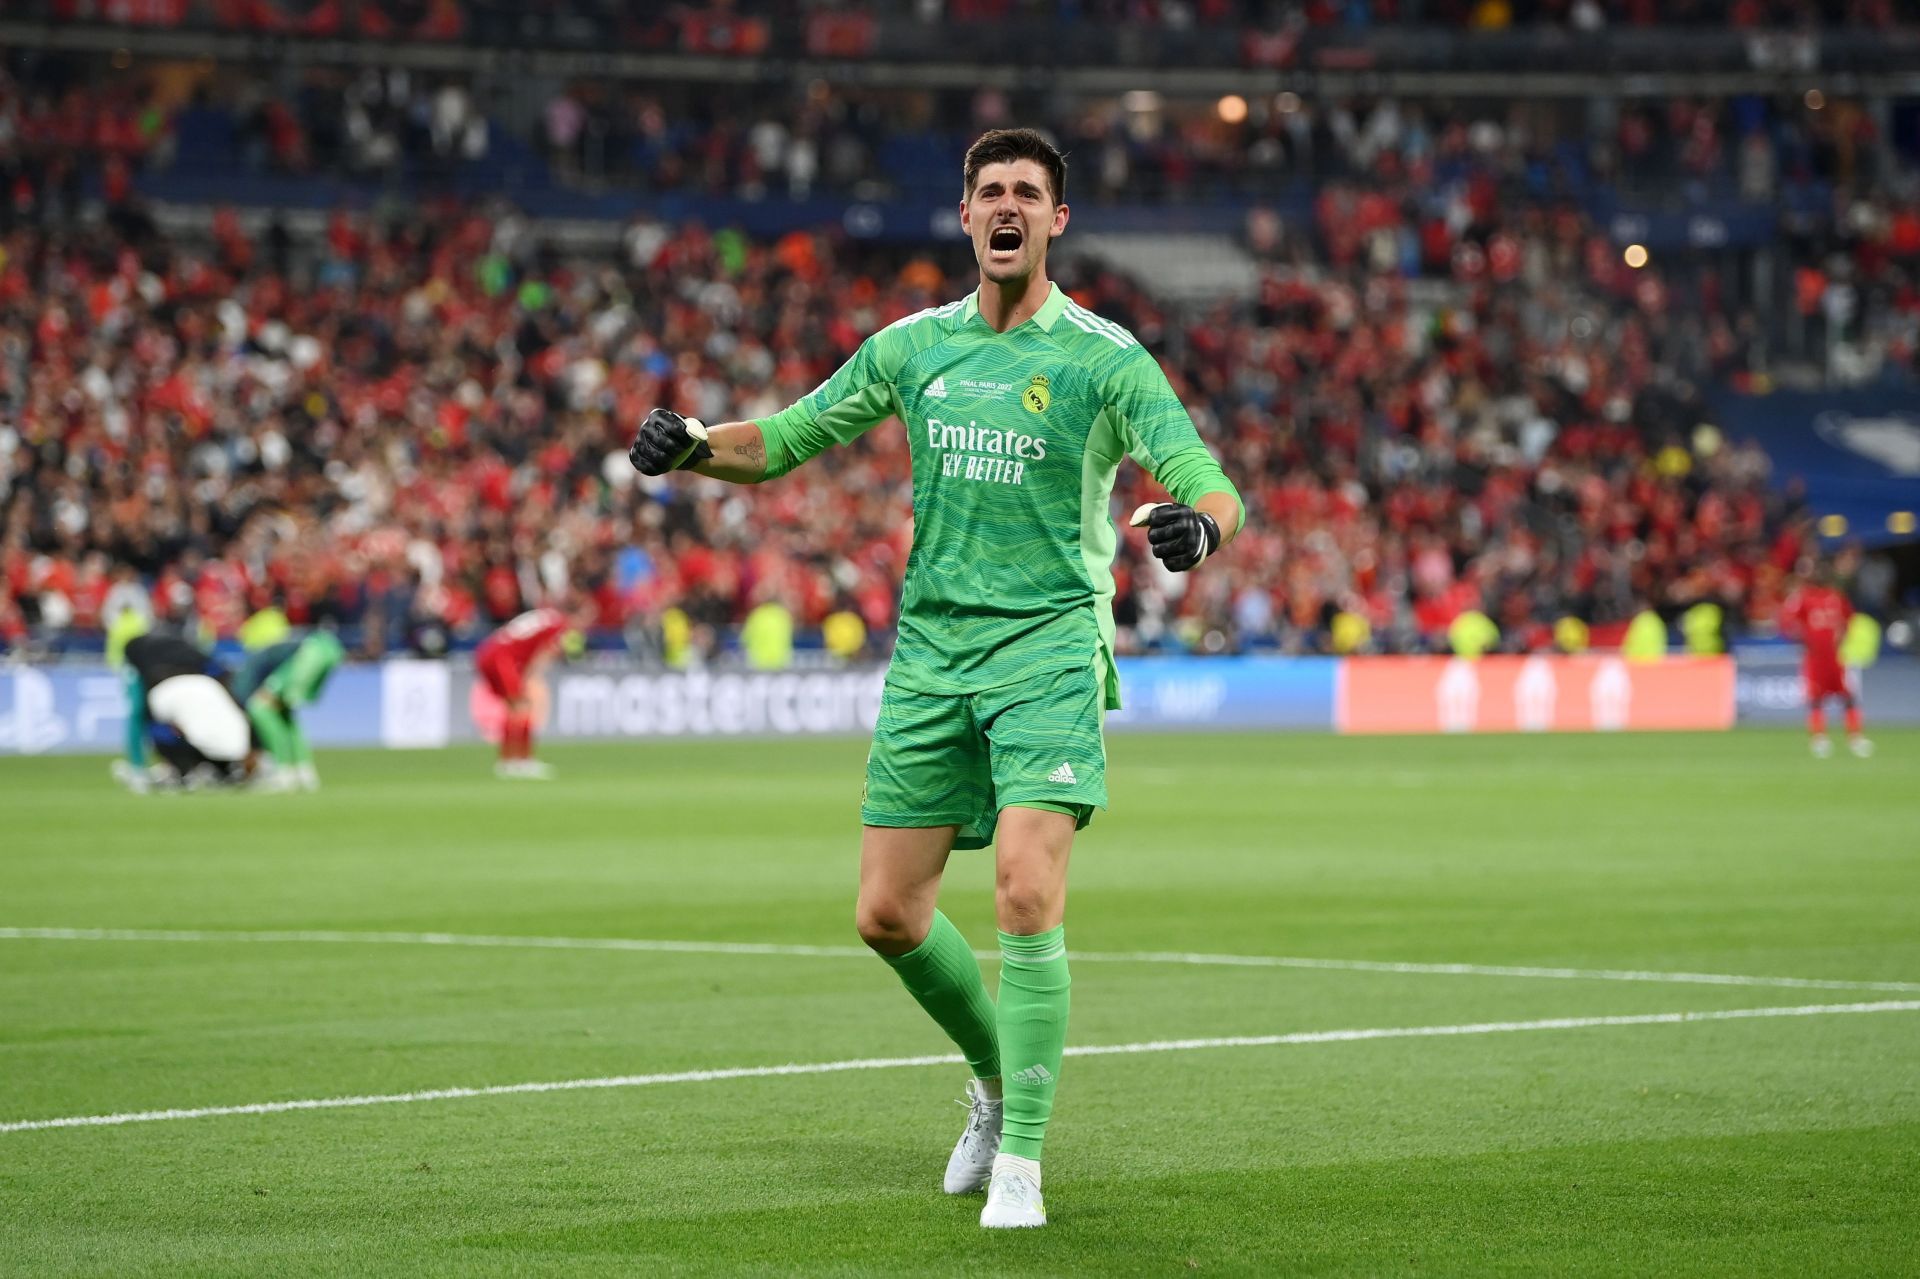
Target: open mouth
[1004,242]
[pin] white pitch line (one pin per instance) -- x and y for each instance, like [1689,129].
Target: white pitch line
[1505,970]
[327,936]
[949,1059]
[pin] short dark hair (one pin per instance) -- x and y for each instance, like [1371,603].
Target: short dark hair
[1004,146]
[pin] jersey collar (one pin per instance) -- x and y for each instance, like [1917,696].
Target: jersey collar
[1046,317]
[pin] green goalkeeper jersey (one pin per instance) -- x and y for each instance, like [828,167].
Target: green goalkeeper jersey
[1016,438]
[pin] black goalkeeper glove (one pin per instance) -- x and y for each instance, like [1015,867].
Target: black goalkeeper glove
[1180,536]
[668,442]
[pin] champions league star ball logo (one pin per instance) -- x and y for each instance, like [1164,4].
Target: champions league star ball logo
[31,723]
[1892,440]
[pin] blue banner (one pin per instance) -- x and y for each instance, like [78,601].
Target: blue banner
[1725,225]
[1226,692]
[1857,452]
[61,710]
[83,710]
[1769,691]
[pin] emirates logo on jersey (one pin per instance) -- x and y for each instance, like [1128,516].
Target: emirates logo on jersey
[983,454]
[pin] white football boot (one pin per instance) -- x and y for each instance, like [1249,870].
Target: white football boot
[972,1159]
[134,779]
[1013,1197]
[272,779]
[1822,746]
[1861,748]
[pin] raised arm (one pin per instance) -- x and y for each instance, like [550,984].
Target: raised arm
[856,398]
[667,441]
[733,451]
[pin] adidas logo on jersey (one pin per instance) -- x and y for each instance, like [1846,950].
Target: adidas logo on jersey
[1063,775]
[937,390]
[1034,1076]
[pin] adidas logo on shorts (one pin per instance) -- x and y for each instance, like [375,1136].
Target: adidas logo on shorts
[1063,775]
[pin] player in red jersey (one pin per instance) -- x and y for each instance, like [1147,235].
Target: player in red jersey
[1817,614]
[504,660]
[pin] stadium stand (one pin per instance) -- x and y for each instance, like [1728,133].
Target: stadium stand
[316,333]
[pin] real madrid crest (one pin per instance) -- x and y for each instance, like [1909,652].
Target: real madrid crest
[1038,394]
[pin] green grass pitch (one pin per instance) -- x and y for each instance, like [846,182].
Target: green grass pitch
[1779,1145]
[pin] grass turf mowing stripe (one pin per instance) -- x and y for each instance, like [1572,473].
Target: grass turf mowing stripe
[668,946]
[896,1063]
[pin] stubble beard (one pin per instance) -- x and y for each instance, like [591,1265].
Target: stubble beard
[1018,272]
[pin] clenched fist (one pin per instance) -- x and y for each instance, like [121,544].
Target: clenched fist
[668,442]
[1181,537]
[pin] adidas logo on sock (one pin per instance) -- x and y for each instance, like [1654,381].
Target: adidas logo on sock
[1063,775]
[937,389]
[1033,1076]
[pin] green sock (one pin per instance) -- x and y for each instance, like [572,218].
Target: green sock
[272,729]
[943,975]
[1035,991]
[297,741]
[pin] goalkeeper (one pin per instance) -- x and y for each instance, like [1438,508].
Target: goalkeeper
[1019,407]
[278,681]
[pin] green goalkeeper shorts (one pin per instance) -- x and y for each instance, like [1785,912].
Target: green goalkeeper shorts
[957,761]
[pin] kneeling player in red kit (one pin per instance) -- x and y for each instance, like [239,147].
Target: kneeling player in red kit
[1817,614]
[504,660]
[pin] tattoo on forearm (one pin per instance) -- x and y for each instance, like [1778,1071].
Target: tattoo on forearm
[751,451]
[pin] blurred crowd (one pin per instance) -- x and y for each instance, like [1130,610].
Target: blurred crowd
[417,428]
[1424,175]
[423,429]
[1481,15]
[449,19]
[1143,148]
[70,125]
[1449,390]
